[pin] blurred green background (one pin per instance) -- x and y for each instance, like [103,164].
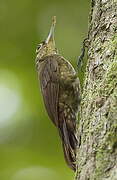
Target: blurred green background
[30,148]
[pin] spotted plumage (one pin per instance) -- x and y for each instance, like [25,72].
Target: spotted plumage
[60,88]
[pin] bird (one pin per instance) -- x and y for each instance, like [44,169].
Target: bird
[60,88]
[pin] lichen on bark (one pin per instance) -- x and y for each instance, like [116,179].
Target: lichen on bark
[97,127]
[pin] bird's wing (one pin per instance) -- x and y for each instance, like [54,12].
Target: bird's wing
[50,87]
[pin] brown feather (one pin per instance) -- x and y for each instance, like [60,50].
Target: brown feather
[61,100]
[50,87]
[69,141]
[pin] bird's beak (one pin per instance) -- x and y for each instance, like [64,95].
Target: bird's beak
[50,38]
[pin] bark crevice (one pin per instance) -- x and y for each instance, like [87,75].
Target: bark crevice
[97,128]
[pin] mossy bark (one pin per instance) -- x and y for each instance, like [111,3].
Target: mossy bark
[97,126]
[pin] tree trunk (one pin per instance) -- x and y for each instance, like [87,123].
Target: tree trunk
[97,126]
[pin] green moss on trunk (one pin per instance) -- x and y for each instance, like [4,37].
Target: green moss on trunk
[97,128]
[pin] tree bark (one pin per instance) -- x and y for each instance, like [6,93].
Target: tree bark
[97,124]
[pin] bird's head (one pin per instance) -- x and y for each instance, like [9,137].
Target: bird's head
[47,47]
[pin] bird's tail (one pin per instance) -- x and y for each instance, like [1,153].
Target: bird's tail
[69,143]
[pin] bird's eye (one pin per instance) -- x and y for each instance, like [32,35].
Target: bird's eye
[39,46]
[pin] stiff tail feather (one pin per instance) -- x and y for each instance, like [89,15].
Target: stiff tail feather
[69,143]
